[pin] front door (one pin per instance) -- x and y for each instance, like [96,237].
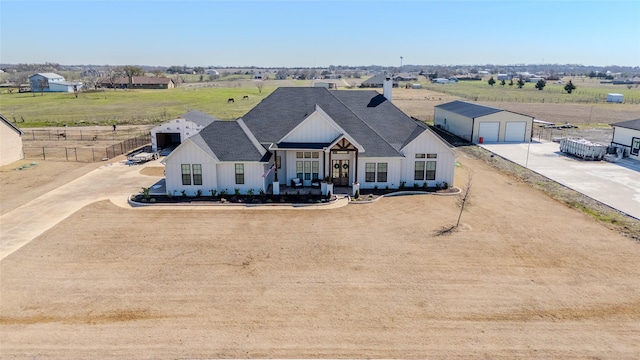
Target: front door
[340,172]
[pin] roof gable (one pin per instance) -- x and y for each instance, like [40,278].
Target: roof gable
[199,117]
[316,128]
[630,124]
[48,75]
[468,109]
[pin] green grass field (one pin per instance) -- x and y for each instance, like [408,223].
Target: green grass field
[127,107]
[587,91]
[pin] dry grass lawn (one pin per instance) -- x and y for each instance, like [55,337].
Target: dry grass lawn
[525,277]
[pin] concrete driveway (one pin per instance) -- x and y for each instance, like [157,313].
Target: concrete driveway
[614,184]
[114,181]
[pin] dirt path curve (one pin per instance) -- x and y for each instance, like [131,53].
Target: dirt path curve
[113,181]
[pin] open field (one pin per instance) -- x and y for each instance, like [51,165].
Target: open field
[526,277]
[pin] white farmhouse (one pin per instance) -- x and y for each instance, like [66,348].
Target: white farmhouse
[357,139]
[483,124]
[173,133]
[626,135]
[10,142]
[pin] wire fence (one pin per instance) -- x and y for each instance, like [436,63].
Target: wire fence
[86,154]
[63,134]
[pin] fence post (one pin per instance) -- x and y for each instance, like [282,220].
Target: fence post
[93,155]
[122,148]
[44,156]
[33,135]
[76,150]
[80,134]
[66,153]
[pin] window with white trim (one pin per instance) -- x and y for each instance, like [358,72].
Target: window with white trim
[240,174]
[186,174]
[375,172]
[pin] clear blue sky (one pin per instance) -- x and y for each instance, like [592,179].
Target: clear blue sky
[310,34]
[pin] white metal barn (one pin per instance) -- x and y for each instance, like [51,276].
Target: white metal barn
[483,124]
[626,135]
[10,142]
[615,98]
[174,132]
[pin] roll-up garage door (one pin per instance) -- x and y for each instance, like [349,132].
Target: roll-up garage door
[514,131]
[488,131]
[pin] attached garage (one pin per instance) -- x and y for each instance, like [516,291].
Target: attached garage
[626,138]
[483,124]
[515,131]
[172,133]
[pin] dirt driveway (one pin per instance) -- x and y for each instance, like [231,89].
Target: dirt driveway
[526,277]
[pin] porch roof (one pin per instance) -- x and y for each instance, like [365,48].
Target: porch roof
[292,145]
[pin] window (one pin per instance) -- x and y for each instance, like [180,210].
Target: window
[370,172]
[299,155]
[197,174]
[307,170]
[314,170]
[307,155]
[635,146]
[299,169]
[419,156]
[186,174]
[315,155]
[278,162]
[419,171]
[431,170]
[382,172]
[432,156]
[239,173]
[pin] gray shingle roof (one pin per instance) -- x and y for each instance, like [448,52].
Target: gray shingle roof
[228,142]
[369,118]
[630,124]
[468,109]
[199,117]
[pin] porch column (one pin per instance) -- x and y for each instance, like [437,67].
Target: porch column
[275,160]
[355,176]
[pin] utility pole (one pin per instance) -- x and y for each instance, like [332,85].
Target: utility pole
[401,63]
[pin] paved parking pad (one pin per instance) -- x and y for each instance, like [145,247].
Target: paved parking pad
[615,184]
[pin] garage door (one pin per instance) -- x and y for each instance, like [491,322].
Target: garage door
[489,131]
[514,131]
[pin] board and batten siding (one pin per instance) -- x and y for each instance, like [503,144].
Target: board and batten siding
[503,117]
[428,143]
[315,129]
[183,127]
[457,124]
[624,136]
[394,167]
[10,144]
[190,154]
[253,179]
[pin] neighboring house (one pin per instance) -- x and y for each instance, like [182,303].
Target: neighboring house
[139,82]
[626,135]
[10,142]
[483,124]
[354,138]
[174,132]
[50,82]
[377,81]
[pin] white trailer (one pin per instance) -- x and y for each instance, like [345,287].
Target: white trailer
[615,98]
[583,148]
[142,156]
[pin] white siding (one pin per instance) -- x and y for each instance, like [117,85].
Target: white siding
[184,127]
[624,136]
[188,153]
[428,143]
[315,129]
[394,169]
[10,144]
[252,177]
[457,124]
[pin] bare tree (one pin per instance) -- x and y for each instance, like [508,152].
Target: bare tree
[113,75]
[157,72]
[130,71]
[464,201]
[259,85]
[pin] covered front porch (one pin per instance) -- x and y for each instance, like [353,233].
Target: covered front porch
[309,190]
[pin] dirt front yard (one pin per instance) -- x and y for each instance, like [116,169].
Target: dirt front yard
[525,277]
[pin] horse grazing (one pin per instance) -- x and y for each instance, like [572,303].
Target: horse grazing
[230,100]
[245,97]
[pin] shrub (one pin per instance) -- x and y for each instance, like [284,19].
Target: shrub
[213,192]
[250,192]
[184,193]
[329,195]
[402,184]
[199,193]
[152,200]
[424,185]
[145,192]
[262,193]
[236,191]
[357,194]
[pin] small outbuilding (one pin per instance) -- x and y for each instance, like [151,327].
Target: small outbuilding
[615,98]
[51,82]
[173,133]
[483,124]
[626,136]
[10,142]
